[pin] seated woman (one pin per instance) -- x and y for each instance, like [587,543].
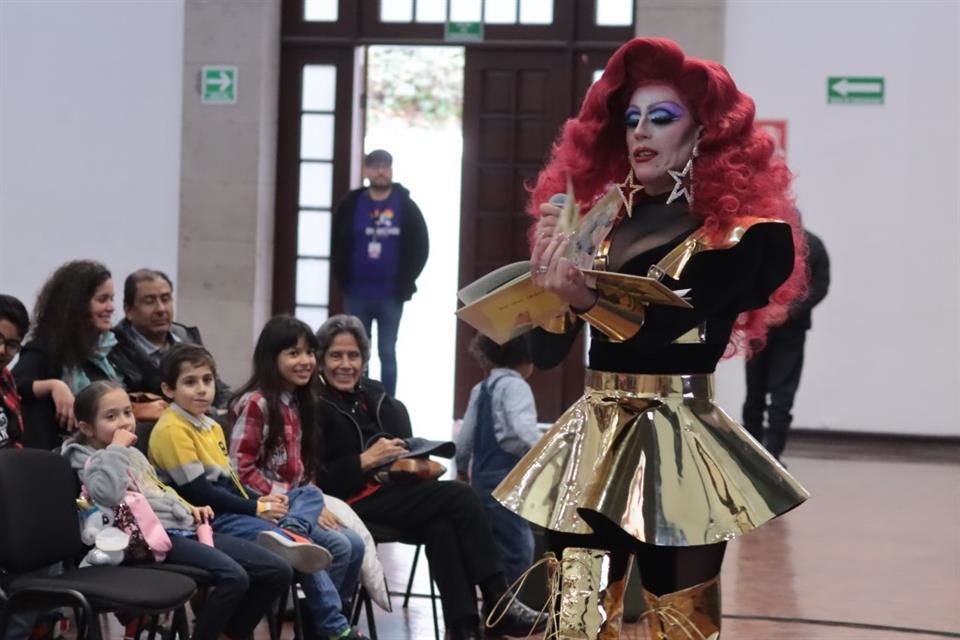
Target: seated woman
[362,428]
[68,349]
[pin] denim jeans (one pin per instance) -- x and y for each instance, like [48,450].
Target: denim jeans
[247,580]
[387,312]
[512,533]
[344,545]
[323,597]
[347,548]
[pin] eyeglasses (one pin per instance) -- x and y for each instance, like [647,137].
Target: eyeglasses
[11,346]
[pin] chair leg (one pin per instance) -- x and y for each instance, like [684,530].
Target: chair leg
[180,627]
[433,605]
[80,619]
[154,627]
[274,623]
[371,622]
[281,611]
[94,630]
[413,572]
[357,605]
[297,613]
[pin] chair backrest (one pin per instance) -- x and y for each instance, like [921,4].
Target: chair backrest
[38,514]
[144,429]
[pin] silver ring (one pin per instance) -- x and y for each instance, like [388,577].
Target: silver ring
[542,269]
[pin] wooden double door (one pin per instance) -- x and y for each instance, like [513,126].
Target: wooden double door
[515,102]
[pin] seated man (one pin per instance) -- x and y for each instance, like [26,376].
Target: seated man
[148,330]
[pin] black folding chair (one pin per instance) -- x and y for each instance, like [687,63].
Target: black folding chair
[39,529]
[387,535]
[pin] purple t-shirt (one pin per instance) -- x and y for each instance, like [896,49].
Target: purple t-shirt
[376,246]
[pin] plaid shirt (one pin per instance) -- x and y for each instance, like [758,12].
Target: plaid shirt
[11,420]
[266,472]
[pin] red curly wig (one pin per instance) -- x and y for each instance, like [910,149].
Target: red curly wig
[737,175]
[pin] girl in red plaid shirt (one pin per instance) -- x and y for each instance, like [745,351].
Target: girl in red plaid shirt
[274,433]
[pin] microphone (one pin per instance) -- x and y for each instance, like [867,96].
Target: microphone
[558,199]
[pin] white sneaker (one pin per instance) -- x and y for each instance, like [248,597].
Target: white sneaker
[305,557]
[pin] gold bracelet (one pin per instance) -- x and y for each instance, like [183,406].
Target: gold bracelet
[562,323]
[616,322]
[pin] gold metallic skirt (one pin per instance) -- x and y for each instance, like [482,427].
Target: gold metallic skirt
[653,455]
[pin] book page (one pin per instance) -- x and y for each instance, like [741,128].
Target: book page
[639,288]
[593,228]
[496,278]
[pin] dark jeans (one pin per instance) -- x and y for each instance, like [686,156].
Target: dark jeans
[387,313]
[449,520]
[512,533]
[323,597]
[775,371]
[247,580]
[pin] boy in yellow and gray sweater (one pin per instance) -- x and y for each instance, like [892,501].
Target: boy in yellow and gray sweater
[190,453]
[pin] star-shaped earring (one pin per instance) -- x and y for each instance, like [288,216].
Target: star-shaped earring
[628,188]
[683,183]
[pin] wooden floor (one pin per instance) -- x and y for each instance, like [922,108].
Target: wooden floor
[873,555]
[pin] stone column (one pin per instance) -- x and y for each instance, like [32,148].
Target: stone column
[228,178]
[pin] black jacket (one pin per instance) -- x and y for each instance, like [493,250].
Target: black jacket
[343,435]
[41,430]
[414,242]
[800,317]
[139,371]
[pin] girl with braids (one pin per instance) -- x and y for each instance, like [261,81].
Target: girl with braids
[644,464]
[273,446]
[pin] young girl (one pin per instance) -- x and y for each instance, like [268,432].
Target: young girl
[247,578]
[273,434]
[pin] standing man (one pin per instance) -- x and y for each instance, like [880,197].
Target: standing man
[378,249]
[776,369]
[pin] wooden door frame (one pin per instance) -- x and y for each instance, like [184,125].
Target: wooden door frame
[286,214]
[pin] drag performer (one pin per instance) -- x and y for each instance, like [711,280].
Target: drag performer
[645,465]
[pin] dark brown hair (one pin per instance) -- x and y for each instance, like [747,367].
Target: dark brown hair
[173,360]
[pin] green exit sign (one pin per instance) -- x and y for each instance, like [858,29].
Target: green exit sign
[463,31]
[218,84]
[855,90]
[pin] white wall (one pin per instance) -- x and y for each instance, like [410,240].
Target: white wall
[879,184]
[90,120]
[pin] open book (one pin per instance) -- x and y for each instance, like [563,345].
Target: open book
[506,303]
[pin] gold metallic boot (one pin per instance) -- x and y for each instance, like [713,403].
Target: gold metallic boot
[611,598]
[690,614]
[575,586]
[587,604]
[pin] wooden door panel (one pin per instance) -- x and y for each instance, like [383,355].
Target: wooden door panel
[514,105]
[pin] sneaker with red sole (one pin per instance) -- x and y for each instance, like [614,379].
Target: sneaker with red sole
[303,555]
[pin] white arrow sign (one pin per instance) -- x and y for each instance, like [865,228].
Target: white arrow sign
[222,82]
[846,86]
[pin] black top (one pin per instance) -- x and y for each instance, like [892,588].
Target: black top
[40,426]
[347,421]
[800,318]
[723,283]
[140,372]
[414,242]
